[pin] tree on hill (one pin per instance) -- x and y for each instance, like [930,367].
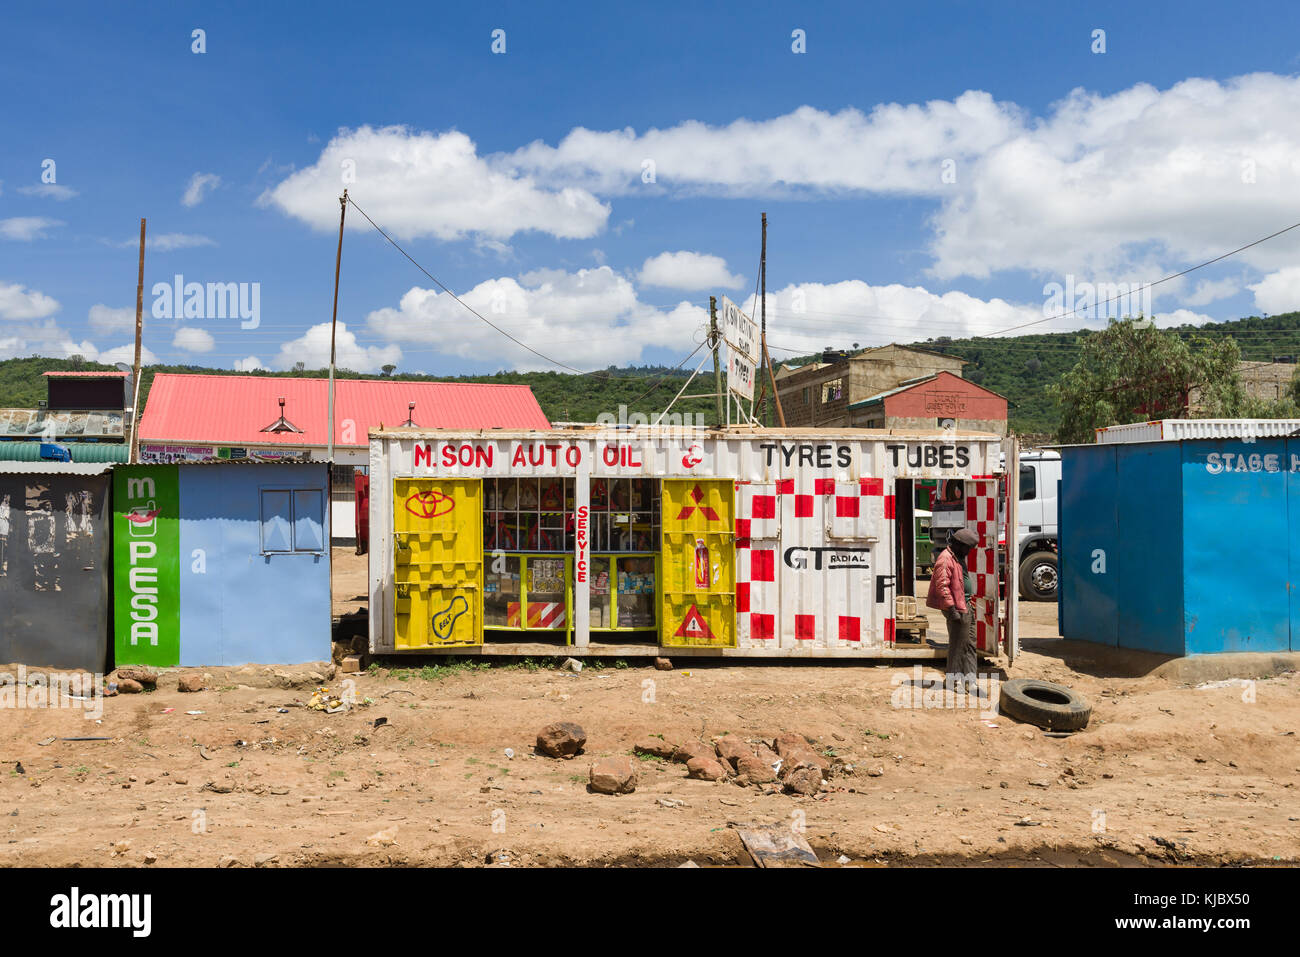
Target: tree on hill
[1132,371]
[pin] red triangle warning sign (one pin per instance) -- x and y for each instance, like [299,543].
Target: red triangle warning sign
[694,625]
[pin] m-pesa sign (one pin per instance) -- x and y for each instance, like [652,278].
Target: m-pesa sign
[146,565]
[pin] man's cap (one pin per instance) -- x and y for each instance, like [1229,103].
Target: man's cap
[965,537]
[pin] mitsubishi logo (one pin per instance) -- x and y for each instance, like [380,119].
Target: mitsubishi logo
[697,496]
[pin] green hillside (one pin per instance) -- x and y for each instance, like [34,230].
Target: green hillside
[1019,367]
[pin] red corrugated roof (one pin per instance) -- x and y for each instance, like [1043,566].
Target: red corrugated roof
[233,409]
[103,374]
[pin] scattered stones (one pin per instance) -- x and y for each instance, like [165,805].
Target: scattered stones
[189,683]
[692,749]
[563,739]
[803,780]
[571,664]
[657,747]
[353,665]
[790,741]
[151,858]
[663,664]
[705,769]
[731,749]
[754,770]
[688,864]
[385,838]
[263,859]
[875,772]
[143,676]
[228,860]
[129,686]
[614,775]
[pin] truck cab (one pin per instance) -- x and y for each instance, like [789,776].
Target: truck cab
[1036,527]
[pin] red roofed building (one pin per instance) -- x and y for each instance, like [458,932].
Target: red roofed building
[218,417]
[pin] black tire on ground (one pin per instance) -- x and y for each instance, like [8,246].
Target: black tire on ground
[1051,706]
[1038,576]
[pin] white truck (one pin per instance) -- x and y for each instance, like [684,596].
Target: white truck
[1036,526]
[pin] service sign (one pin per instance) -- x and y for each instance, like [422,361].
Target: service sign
[740,333]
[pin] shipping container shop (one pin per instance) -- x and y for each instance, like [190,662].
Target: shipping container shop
[1182,538]
[654,541]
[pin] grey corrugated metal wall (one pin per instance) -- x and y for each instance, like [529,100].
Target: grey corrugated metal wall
[54,564]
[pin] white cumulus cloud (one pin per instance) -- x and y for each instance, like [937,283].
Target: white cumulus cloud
[1279,291]
[689,271]
[191,339]
[19,302]
[585,319]
[313,349]
[249,364]
[105,319]
[416,183]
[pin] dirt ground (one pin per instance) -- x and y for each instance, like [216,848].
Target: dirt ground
[1163,774]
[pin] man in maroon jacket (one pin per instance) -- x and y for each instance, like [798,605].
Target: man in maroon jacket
[950,593]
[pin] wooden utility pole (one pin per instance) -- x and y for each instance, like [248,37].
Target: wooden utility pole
[762,309]
[717,366]
[334,321]
[766,359]
[133,451]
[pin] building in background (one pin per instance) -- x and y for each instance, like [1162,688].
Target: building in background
[204,418]
[820,394]
[86,417]
[939,401]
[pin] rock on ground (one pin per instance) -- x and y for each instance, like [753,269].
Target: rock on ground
[705,769]
[563,739]
[614,775]
[189,683]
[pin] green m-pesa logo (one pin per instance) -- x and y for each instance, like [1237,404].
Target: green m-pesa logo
[146,565]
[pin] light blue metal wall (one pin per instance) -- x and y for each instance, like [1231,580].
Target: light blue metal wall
[237,604]
[1089,591]
[1237,546]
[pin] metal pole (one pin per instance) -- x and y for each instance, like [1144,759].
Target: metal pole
[133,452]
[334,321]
[717,367]
[762,307]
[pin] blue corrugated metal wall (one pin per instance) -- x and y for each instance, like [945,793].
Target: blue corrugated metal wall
[238,603]
[1293,536]
[1237,546]
[1150,516]
[1087,523]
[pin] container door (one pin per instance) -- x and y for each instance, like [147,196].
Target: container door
[982,563]
[698,542]
[438,562]
[1010,520]
[1292,467]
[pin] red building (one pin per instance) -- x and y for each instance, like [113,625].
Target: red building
[942,400]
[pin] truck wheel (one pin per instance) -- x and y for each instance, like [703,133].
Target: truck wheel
[1038,576]
[1043,703]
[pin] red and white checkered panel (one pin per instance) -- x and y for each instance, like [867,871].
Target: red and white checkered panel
[758,521]
[803,527]
[857,509]
[982,519]
[757,514]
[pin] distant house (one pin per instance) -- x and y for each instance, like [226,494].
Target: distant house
[196,418]
[1267,381]
[942,400]
[821,393]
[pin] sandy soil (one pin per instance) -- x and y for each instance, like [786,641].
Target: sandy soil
[1163,774]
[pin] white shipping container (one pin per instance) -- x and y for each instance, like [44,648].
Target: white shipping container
[1174,430]
[766,543]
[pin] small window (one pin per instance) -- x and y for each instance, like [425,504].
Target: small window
[1028,482]
[293,521]
[833,390]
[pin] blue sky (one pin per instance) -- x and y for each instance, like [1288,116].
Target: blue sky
[926,169]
